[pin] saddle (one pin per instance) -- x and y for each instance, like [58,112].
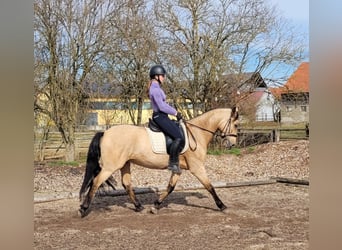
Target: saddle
[161,142]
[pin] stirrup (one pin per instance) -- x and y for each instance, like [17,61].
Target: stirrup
[174,168]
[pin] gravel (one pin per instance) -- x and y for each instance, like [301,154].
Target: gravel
[286,159]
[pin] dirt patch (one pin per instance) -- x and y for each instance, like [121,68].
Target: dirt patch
[273,216]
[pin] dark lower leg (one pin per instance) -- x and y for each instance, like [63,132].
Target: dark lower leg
[135,201]
[126,183]
[218,201]
[170,187]
[163,196]
[175,149]
[99,179]
[84,208]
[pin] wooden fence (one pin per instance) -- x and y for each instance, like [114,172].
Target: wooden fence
[250,137]
[50,145]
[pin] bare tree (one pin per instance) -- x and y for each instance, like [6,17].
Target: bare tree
[130,57]
[208,38]
[70,38]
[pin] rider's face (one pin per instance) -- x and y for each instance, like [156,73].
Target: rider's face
[162,78]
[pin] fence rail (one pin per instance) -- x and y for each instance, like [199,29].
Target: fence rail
[250,137]
[50,146]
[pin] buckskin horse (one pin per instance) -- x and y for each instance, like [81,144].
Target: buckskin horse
[122,145]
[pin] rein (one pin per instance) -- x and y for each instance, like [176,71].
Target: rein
[223,135]
[192,135]
[211,132]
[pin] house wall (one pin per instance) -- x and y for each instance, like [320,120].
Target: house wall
[265,107]
[107,112]
[291,113]
[111,111]
[113,117]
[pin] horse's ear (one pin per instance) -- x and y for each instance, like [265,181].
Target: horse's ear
[235,113]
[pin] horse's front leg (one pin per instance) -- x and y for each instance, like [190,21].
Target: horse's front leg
[170,187]
[201,174]
[126,183]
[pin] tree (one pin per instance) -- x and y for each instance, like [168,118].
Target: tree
[206,39]
[70,38]
[130,56]
[116,42]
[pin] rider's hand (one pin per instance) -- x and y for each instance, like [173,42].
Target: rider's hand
[179,116]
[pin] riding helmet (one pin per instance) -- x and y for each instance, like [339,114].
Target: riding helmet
[157,70]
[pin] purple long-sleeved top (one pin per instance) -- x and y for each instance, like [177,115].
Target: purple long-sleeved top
[158,100]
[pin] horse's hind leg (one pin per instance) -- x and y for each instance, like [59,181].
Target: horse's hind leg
[170,187]
[98,180]
[126,183]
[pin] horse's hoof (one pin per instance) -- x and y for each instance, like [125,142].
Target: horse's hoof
[224,209]
[83,211]
[139,209]
[157,204]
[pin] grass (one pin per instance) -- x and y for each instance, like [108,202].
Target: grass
[232,151]
[250,149]
[216,151]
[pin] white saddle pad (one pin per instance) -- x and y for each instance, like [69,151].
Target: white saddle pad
[158,140]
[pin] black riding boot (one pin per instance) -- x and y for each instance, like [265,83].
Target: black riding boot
[175,149]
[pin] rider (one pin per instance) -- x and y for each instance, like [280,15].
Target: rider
[161,110]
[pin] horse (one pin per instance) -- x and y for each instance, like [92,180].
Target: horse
[120,146]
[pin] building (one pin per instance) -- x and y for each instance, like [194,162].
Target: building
[294,96]
[256,101]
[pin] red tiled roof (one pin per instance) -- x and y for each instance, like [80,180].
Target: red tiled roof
[298,81]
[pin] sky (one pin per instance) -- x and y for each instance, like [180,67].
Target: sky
[297,11]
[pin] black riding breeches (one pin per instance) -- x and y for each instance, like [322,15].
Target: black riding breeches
[166,125]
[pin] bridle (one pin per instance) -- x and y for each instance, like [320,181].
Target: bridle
[226,129]
[224,134]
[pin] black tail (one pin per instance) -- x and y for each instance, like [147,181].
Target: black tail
[92,166]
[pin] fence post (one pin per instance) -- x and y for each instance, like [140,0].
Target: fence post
[275,135]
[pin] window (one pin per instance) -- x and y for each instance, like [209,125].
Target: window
[147,105]
[106,105]
[288,108]
[303,108]
[91,119]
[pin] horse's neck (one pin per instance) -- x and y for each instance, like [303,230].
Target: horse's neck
[209,120]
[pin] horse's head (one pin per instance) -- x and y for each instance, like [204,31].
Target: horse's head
[230,128]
